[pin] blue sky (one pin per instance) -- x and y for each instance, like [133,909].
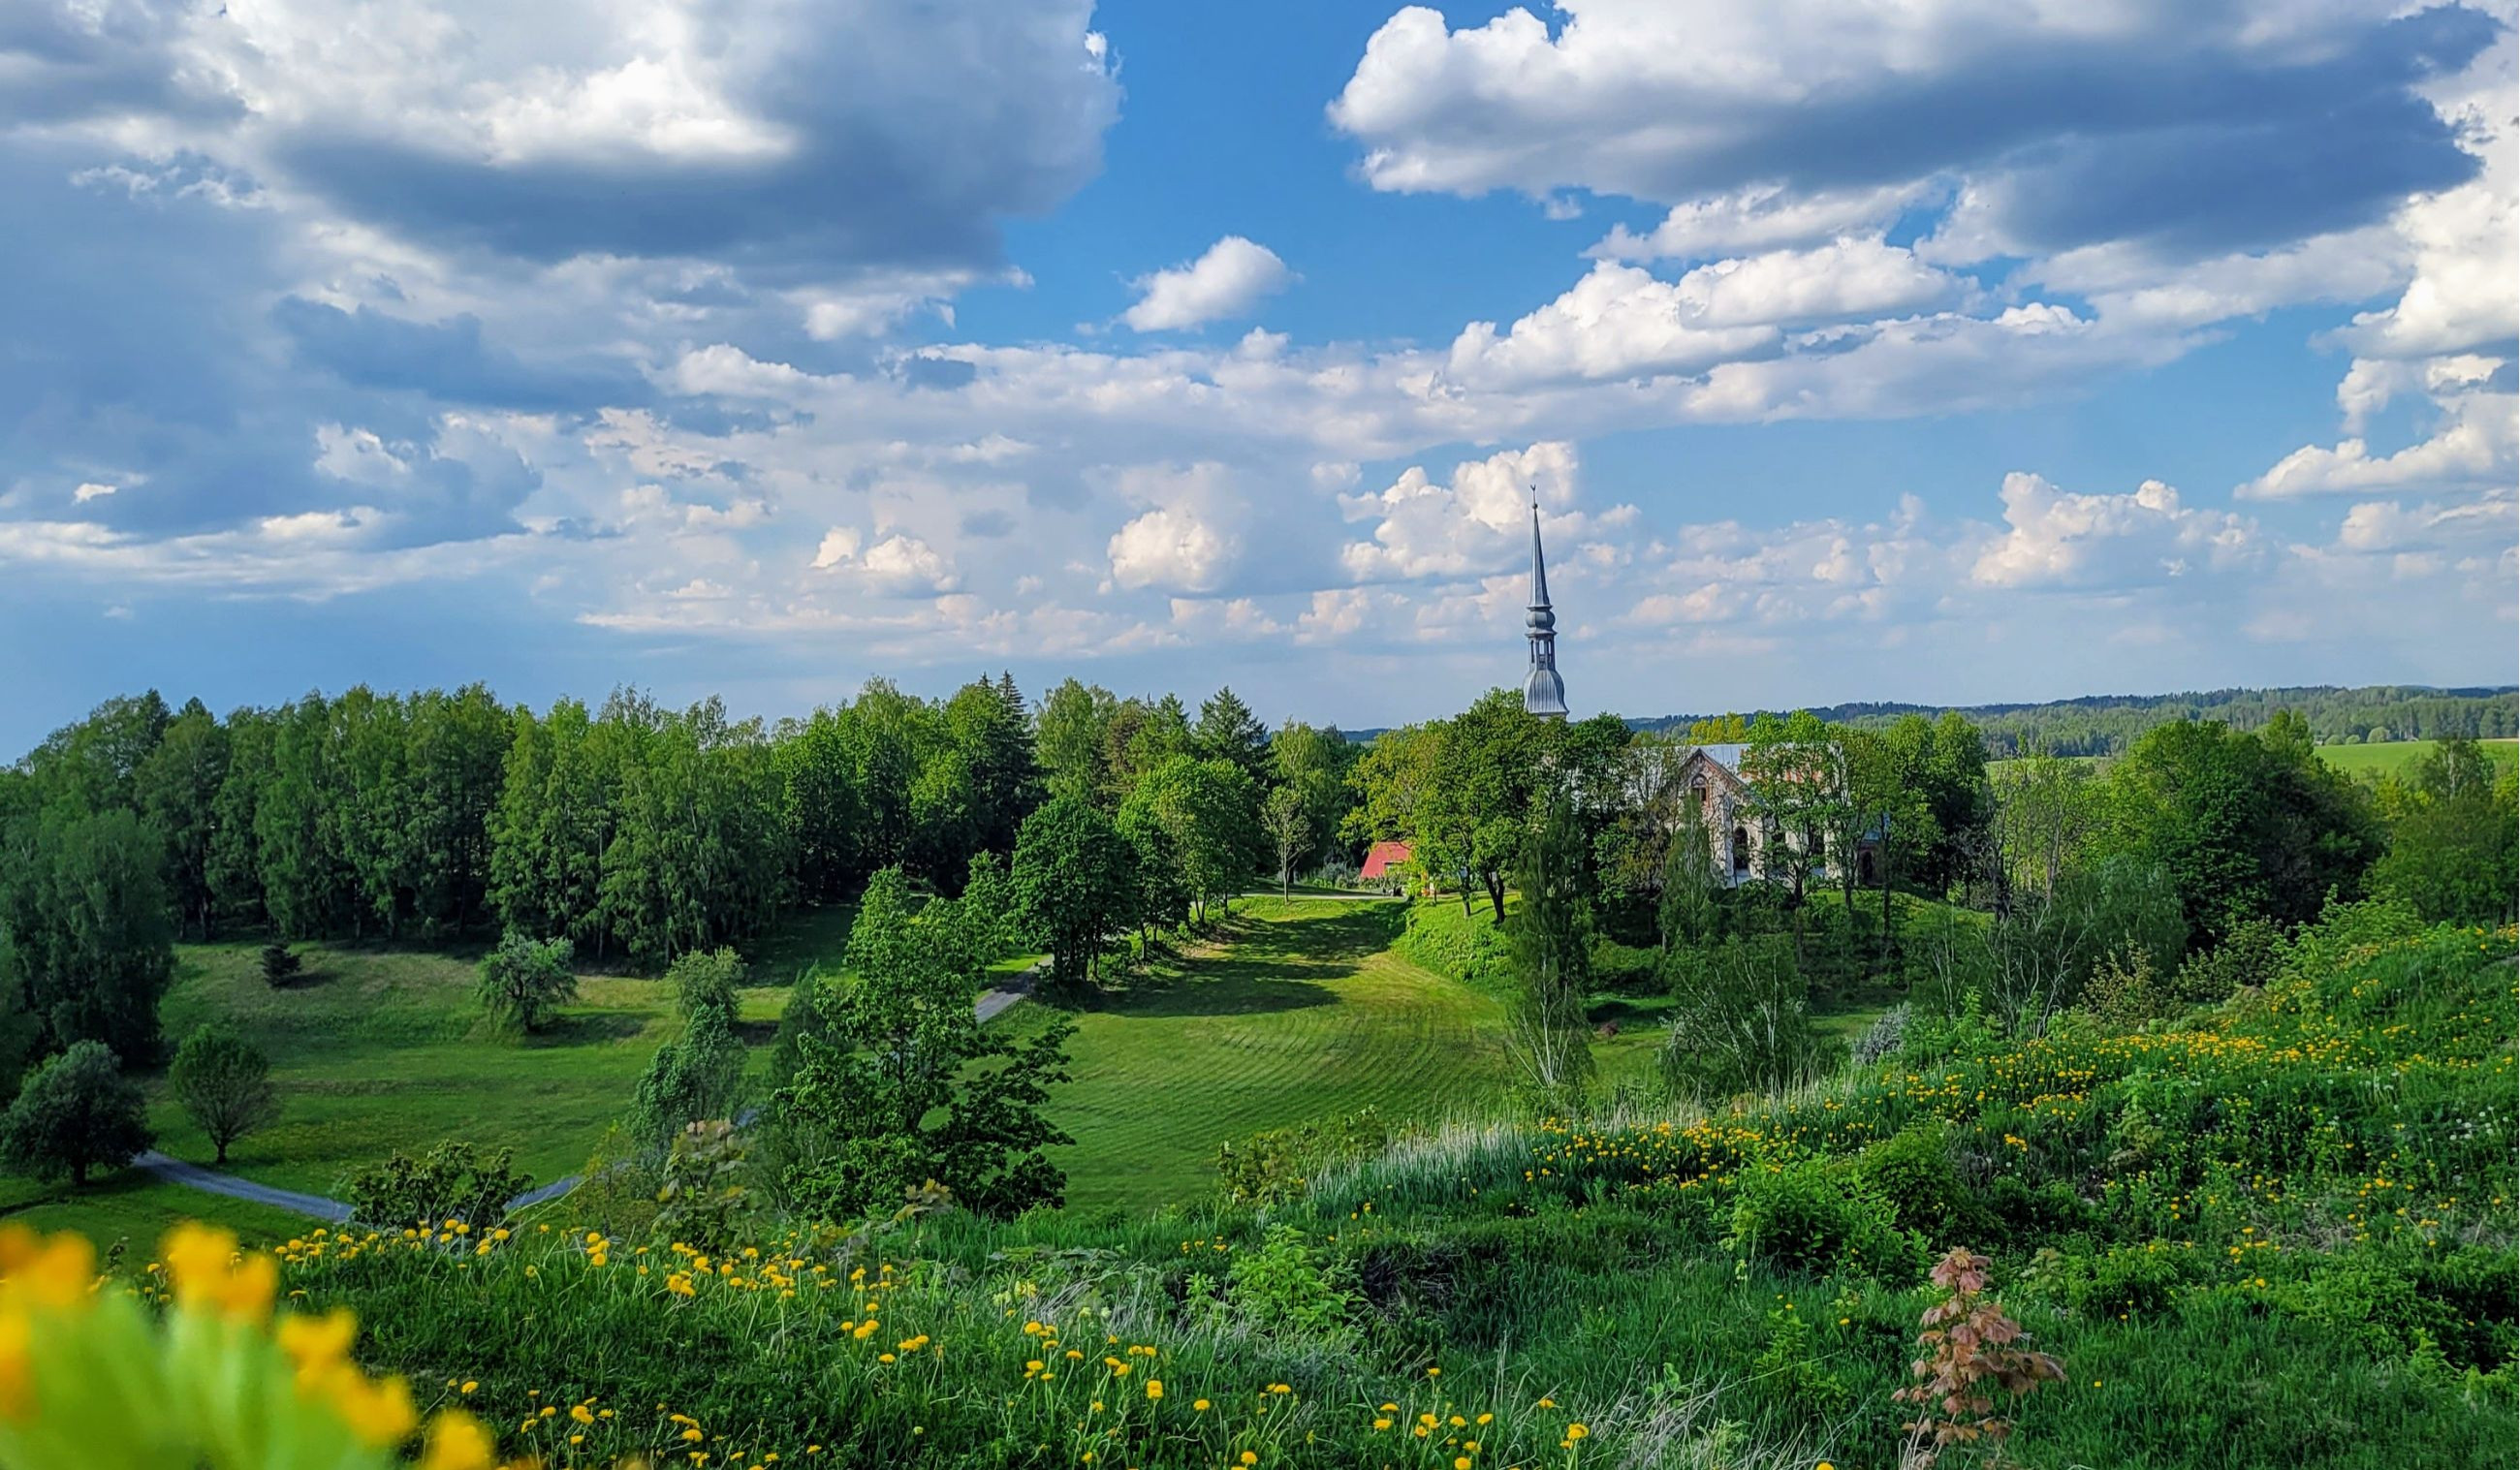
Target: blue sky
[1942,352]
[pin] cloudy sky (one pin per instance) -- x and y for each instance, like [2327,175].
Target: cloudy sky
[1943,350]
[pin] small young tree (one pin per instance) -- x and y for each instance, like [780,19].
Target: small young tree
[224,1084]
[1970,1347]
[1692,912]
[524,980]
[911,1089]
[76,1112]
[280,964]
[706,980]
[696,1077]
[1290,831]
[1550,936]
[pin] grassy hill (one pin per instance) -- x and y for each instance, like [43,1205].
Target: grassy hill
[1296,1010]
[2278,1232]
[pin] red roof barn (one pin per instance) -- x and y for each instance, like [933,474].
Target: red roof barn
[1383,858]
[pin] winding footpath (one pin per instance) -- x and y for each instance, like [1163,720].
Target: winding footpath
[173,1170]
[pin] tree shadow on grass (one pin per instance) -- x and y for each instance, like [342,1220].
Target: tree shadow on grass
[1265,965]
[585,1029]
[1215,991]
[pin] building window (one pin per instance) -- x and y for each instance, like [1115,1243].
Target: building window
[1741,850]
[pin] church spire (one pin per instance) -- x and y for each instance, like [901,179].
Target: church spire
[1543,693]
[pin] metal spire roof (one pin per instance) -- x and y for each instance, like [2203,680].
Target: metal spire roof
[1543,693]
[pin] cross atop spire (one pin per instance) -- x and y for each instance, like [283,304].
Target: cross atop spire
[1543,693]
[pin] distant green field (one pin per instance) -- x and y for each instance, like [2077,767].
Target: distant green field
[133,1208]
[1302,1014]
[2391,757]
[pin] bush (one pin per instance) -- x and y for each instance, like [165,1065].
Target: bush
[524,980]
[453,1182]
[1625,969]
[1742,1021]
[74,1113]
[1912,1170]
[706,980]
[1882,1039]
[1816,1216]
[698,1074]
[2248,956]
[1287,1288]
[1278,1163]
[280,964]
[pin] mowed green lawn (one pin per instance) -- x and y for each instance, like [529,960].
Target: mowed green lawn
[2397,757]
[1302,1012]
[377,1051]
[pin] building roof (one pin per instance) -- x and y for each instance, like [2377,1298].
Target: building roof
[1727,756]
[1383,857]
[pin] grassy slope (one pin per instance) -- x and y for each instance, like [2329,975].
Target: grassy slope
[378,1050]
[1302,1012]
[2394,757]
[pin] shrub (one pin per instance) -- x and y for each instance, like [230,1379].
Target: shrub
[1882,1039]
[1742,1021]
[1278,1163]
[452,1182]
[1287,1288]
[1913,1171]
[1625,969]
[75,1112]
[1813,1215]
[2249,956]
[280,964]
[524,980]
[224,1084]
[706,1205]
[706,980]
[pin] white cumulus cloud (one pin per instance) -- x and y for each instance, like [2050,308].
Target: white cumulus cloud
[1227,280]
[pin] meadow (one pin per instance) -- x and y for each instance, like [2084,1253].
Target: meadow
[2398,757]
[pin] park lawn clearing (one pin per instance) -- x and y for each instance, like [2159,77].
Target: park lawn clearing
[129,1206]
[1301,1012]
[2398,757]
[380,1051]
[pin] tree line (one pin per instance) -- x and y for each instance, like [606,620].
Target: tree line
[2110,724]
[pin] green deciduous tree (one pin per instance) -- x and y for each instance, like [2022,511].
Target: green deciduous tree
[1075,883]
[2455,848]
[2246,824]
[223,1082]
[1210,811]
[696,1076]
[75,1113]
[177,788]
[910,1087]
[85,942]
[706,980]
[1289,829]
[524,980]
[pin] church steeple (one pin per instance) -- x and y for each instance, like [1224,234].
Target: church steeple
[1543,693]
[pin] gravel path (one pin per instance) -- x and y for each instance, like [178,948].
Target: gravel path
[175,1171]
